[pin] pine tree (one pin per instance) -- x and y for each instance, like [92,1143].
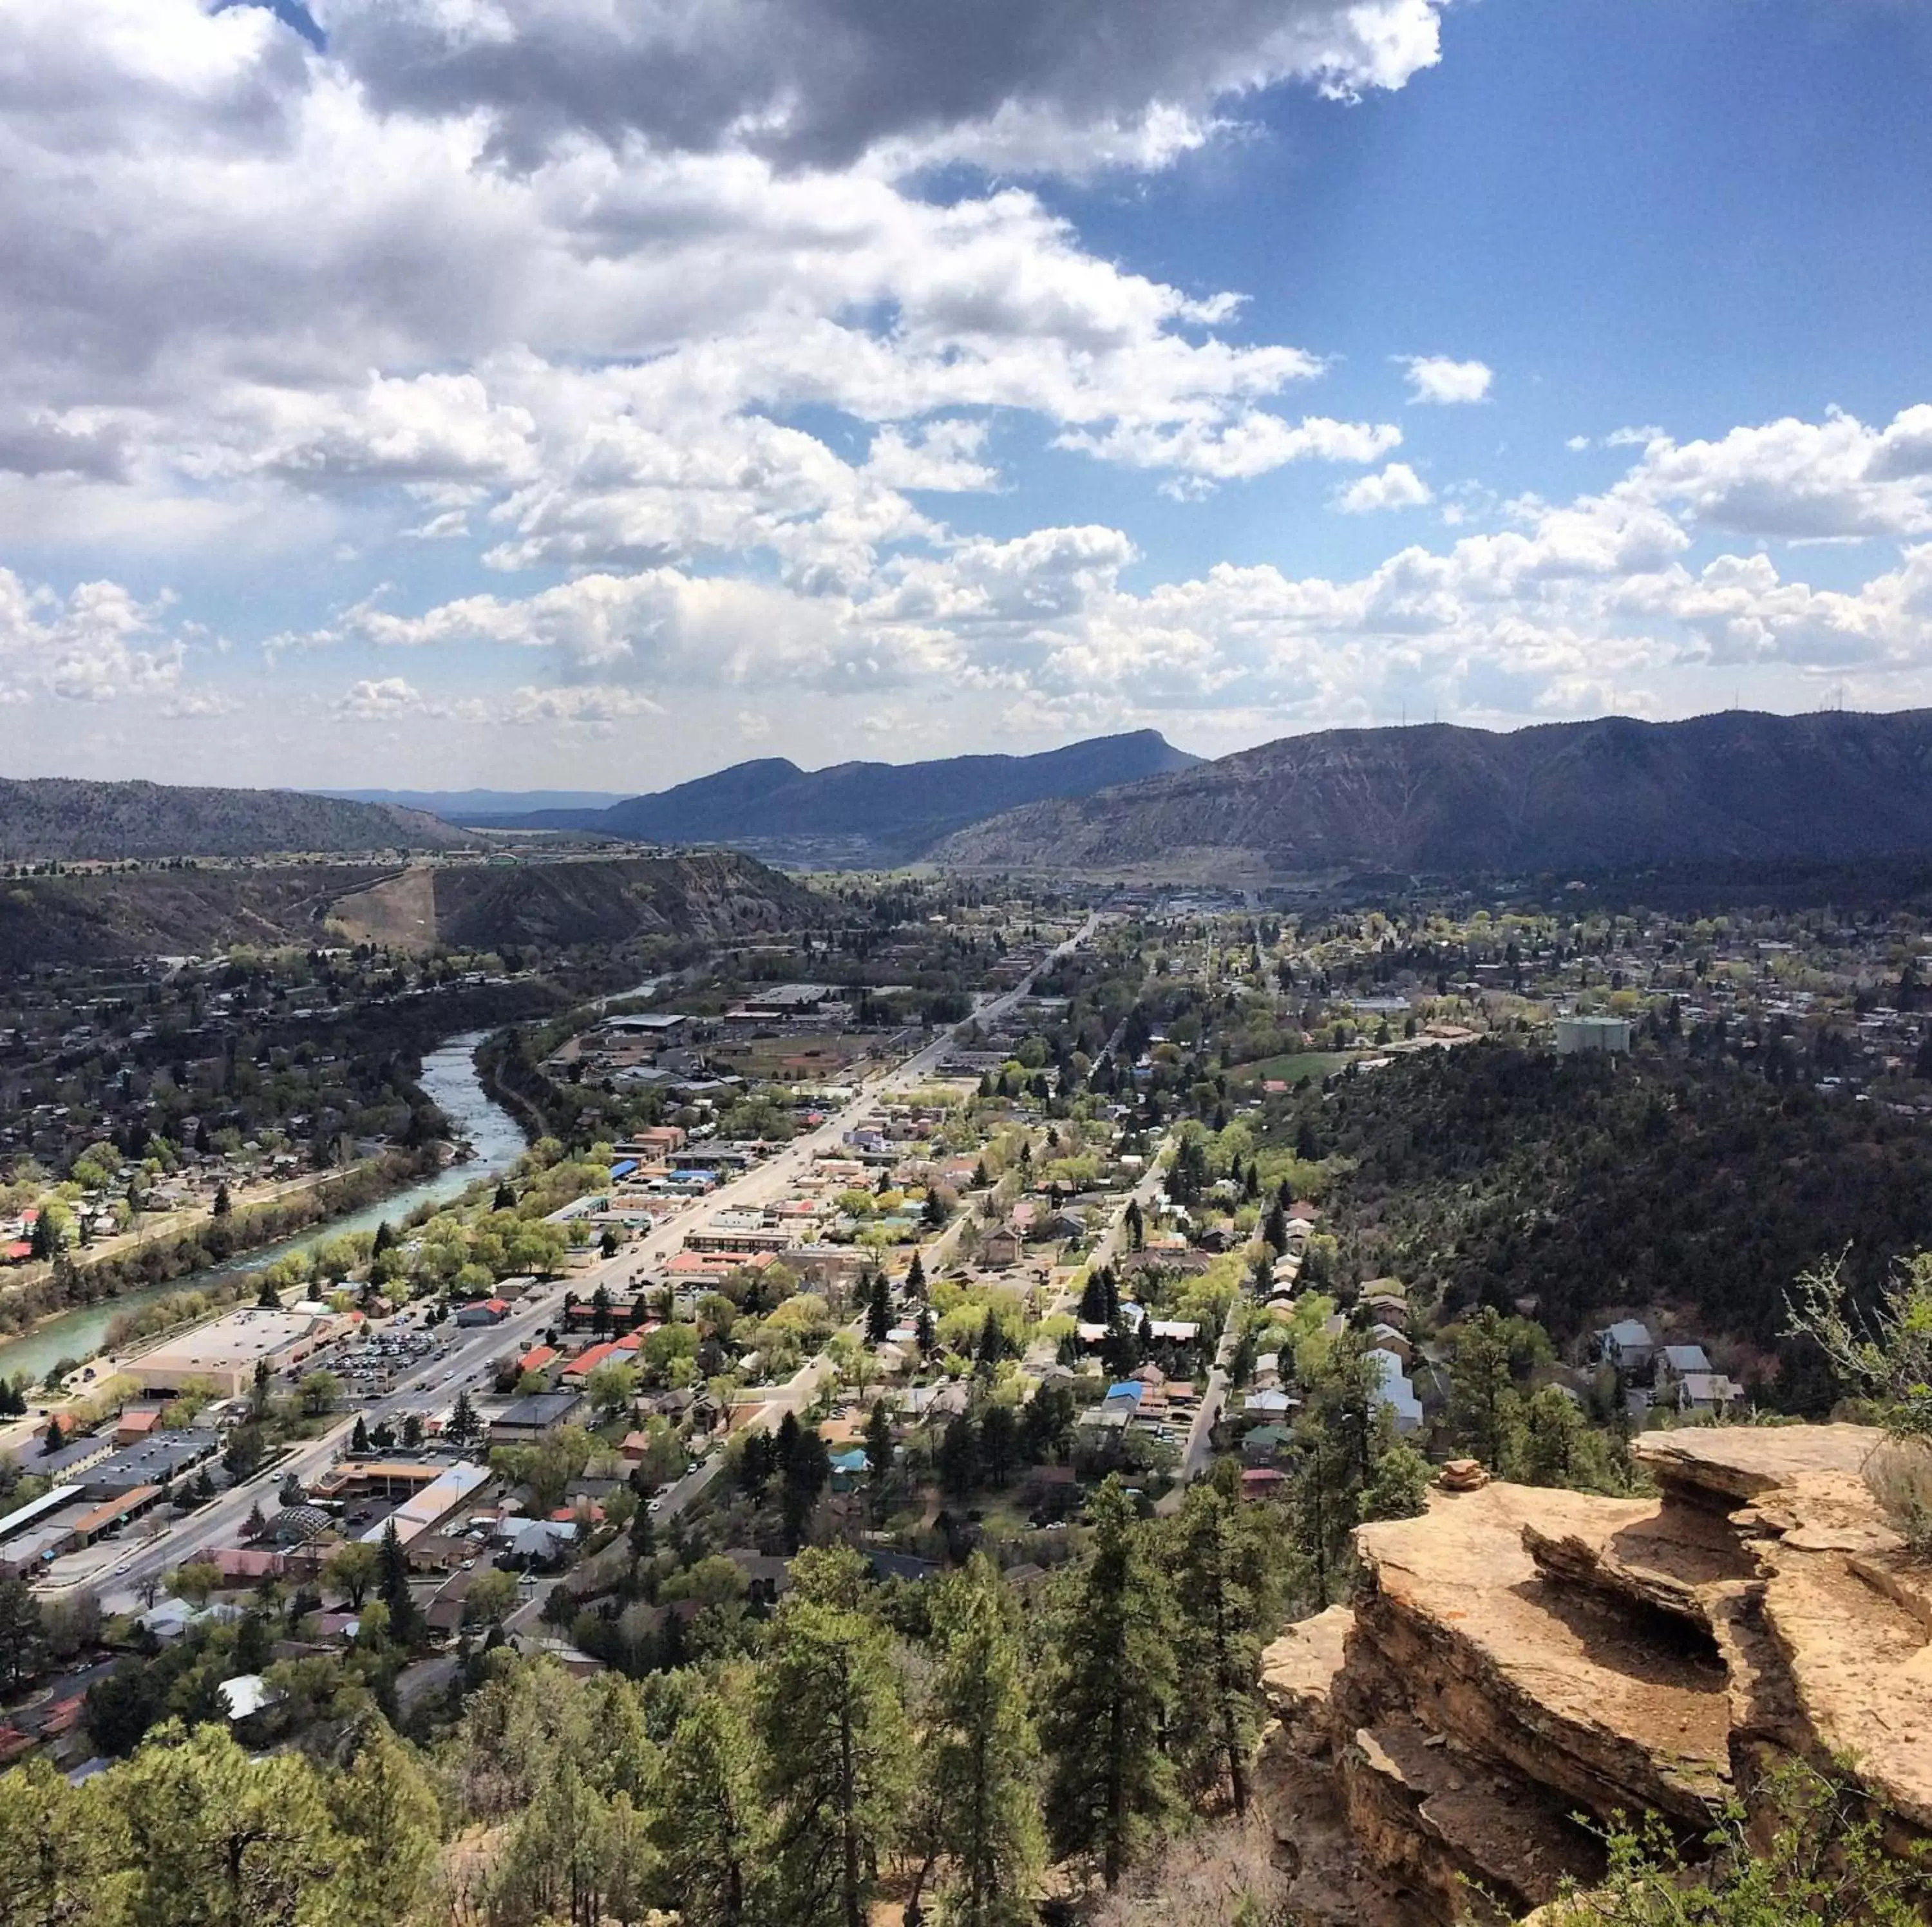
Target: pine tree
[223,1203]
[392,1587]
[386,1810]
[462,1426]
[708,1823]
[21,1639]
[1224,1592]
[925,1333]
[980,1757]
[643,1532]
[836,1747]
[1484,1409]
[915,1279]
[358,1438]
[878,1310]
[1106,1693]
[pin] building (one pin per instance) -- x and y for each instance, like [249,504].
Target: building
[1626,1345]
[484,1311]
[1394,1393]
[1580,1035]
[226,1353]
[160,1461]
[527,1421]
[434,1505]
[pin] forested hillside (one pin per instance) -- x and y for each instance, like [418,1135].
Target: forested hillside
[63,820]
[1490,1173]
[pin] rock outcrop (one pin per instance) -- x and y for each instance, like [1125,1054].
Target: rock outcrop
[1520,1664]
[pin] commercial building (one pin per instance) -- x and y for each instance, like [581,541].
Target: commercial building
[226,1353]
[437,1502]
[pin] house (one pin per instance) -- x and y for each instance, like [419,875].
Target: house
[137,1424]
[1265,1444]
[1267,1406]
[484,1311]
[1394,1393]
[1002,1248]
[1387,1338]
[849,1469]
[1676,1363]
[1708,1394]
[245,1695]
[1627,1344]
[1262,1482]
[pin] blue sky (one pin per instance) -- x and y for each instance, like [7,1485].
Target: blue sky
[900,386]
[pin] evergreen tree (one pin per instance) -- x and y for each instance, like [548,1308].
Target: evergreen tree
[643,1531]
[836,1747]
[1136,1226]
[999,1444]
[463,1425]
[223,1203]
[1106,1691]
[878,1309]
[386,1810]
[915,1279]
[708,1821]
[358,1437]
[980,1757]
[992,1344]
[925,1333]
[879,1445]
[1484,1411]
[392,1587]
[506,1199]
[22,1640]
[957,1461]
[1224,1592]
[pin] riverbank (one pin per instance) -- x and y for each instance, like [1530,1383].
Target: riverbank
[449,1079]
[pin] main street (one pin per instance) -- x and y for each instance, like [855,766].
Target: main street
[124,1569]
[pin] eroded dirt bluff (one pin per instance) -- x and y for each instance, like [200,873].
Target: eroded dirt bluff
[1518,1656]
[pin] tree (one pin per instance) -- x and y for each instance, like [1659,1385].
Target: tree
[957,1461]
[50,1857]
[878,1310]
[491,1598]
[925,1333]
[980,1757]
[319,1392]
[644,1532]
[223,1203]
[1223,1590]
[915,1279]
[1136,1226]
[195,1580]
[218,1840]
[463,1427]
[879,1445]
[709,1819]
[241,1457]
[999,1444]
[385,1810]
[836,1746]
[359,1436]
[22,1639]
[392,1586]
[351,1570]
[1105,1693]
[1484,1411]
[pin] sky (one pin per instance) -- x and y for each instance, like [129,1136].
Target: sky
[550,393]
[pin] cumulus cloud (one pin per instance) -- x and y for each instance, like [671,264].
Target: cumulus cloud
[1437,379]
[816,83]
[97,644]
[383,700]
[1790,480]
[942,455]
[1398,486]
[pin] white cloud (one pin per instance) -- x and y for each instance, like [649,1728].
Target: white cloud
[1398,486]
[943,455]
[1435,378]
[595,706]
[93,645]
[1789,480]
[385,700]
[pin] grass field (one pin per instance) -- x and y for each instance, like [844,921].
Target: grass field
[1292,1069]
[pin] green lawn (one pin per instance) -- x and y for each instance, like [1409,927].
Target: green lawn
[1290,1068]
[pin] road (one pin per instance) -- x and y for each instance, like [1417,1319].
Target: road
[126,1566]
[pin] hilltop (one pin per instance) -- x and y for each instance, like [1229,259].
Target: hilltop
[708,893]
[1440,799]
[857,813]
[63,819]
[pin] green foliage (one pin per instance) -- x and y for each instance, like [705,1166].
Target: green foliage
[1814,1856]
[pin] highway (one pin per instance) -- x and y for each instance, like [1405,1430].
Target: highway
[127,1565]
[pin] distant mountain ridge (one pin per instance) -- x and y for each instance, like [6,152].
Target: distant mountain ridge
[66,819]
[1440,799]
[458,805]
[858,812]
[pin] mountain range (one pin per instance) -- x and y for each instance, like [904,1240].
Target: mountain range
[63,819]
[1436,798]
[854,814]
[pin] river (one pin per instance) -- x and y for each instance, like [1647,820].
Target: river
[449,1080]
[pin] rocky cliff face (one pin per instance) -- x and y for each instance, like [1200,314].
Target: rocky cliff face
[1520,1656]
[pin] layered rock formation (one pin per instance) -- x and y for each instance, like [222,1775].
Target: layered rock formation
[1520,1657]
